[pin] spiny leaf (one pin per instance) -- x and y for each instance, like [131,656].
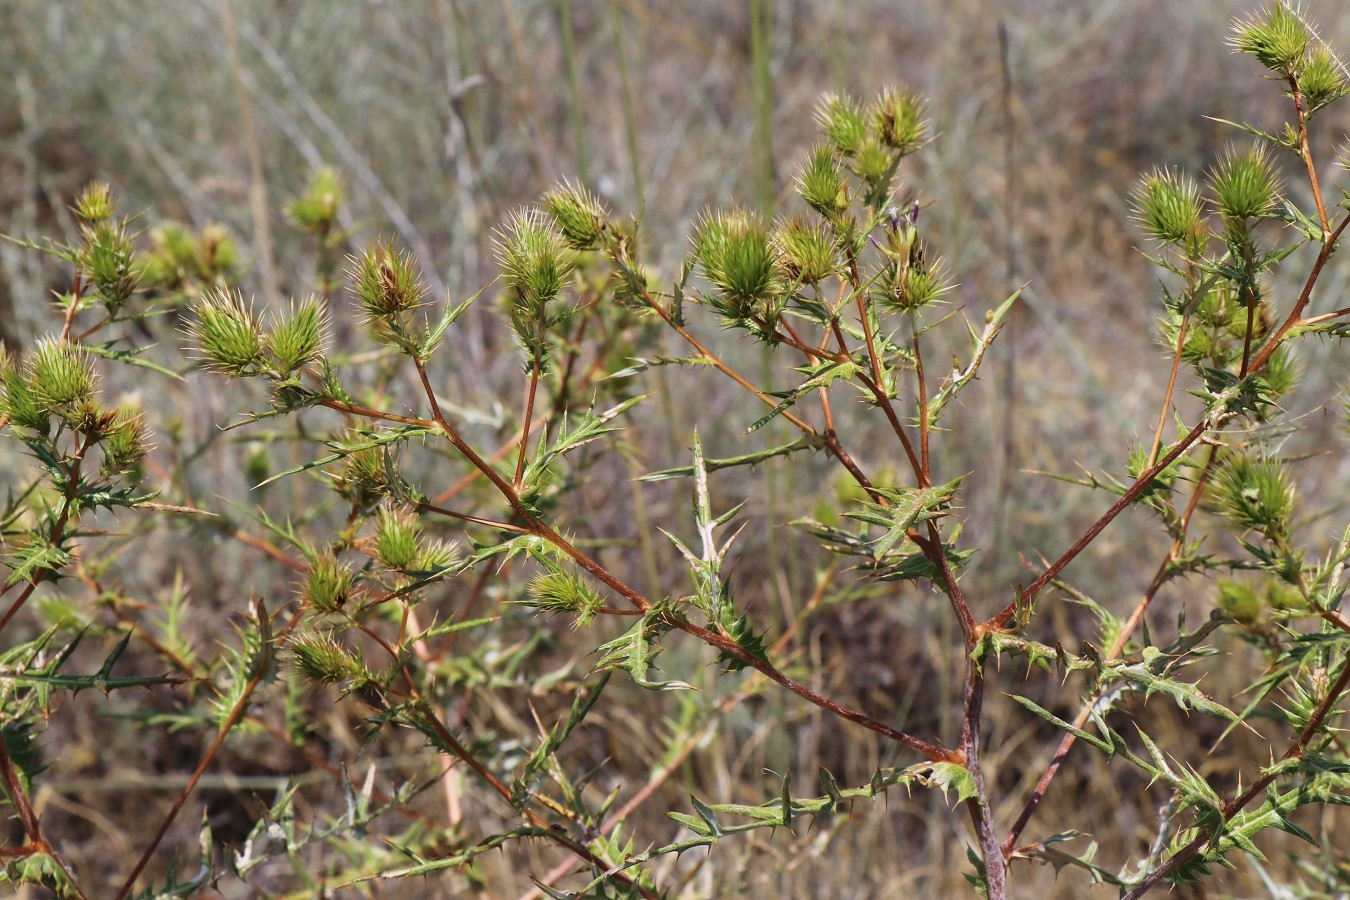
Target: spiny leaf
[812,442]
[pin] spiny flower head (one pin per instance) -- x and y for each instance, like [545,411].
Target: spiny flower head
[1168,206]
[578,215]
[296,339]
[1245,184]
[60,375]
[821,183]
[315,210]
[328,584]
[1278,37]
[734,251]
[899,120]
[1256,493]
[320,658]
[227,333]
[386,282]
[806,251]
[843,122]
[396,536]
[94,204]
[534,256]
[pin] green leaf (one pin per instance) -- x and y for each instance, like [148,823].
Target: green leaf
[366,440]
[592,426]
[642,364]
[634,651]
[35,561]
[907,507]
[452,627]
[1185,694]
[822,375]
[432,337]
[959,378]
[131,357]
[946,776]
[811,442]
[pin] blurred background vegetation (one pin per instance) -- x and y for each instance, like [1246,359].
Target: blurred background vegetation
[442,116]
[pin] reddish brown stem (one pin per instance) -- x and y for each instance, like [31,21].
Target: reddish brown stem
[922,404]
[717,362]
[74,305]
[1305,151]
[1167,395]
[723,643]
[1113,652]
[1131,494]
[366,412]
[525,426]
[32,826]
[981,813]
[236,713]
[885,403]
[1296,314]
[465,517]
[54,537]
[1256,789]
[1326,317]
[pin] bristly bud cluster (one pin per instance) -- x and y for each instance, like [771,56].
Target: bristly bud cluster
[125,443]
[362,479]
[106,256]
[844,123]
[534,258]
[109,262]
[396,539]
[1217,332]
[1245,185]
[578,215]
[1278,37]
[60,376]
[1279,376]
[328,584]
[537,262]
[296,338]
[1168,206]
[390,290]
[94,204]
[1322,78]
[232,341]
[1284,42]
[807,252]
[1248,606]
[899,119]
[734,251]
[315,211]
[58,381]
[564,590]
[227,333]
[1256,493]
[322,659]
[17,402]
[821,183]
[912,281]
[871,141]
[179,261]
[1239,600]
[387,284]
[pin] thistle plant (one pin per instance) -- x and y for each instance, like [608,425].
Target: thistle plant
[442,561]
